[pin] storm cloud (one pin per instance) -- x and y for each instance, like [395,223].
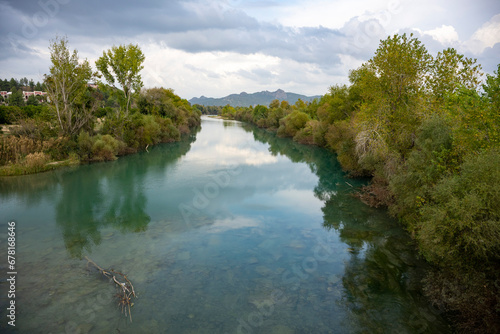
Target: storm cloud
[215,48]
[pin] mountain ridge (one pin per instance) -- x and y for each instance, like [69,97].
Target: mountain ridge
[245,99]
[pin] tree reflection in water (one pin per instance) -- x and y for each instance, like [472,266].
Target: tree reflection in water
[110,194]
[384,268]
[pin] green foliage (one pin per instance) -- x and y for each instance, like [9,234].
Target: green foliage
[165,103]
[99,147]
[476,121]
[258,113]
[336,105]
[66,84]
[16,99]
[228,111]
[138,131]
[430,161]
[292,123]
[122,64]
[461,224]
[492,89]
[305,134]
[7,114]
[450,71]
[32,101]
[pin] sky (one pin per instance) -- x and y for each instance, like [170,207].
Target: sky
[216,48]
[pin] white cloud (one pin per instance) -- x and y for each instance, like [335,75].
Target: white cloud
[486,36]
[445,34]
[333,14]
[246,156]
[234,223]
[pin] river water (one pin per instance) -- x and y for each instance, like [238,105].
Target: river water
[231,230]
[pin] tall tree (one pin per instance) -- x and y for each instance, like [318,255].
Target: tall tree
[13,84]
[393,84]
[451,71]
[121,65]
[66,84]
[16,98]
[32,101]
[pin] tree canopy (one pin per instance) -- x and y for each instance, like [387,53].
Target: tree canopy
[121,65]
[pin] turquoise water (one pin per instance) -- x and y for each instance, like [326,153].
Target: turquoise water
[231,230]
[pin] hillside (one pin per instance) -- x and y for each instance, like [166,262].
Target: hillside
[244,99]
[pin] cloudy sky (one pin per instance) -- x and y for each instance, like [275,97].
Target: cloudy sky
[215,48]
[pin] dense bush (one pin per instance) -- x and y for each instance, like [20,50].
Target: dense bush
[293,123]
[35,162]
[461,222]
[99,147]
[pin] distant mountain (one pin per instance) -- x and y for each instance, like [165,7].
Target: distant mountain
[245,99]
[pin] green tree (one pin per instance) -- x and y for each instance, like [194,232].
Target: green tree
[451,71]
[121,65]
[392,87]
[16,98]
[492,88]
[13,84]
[66,84]
[401,63]
[32,101]
[5,86]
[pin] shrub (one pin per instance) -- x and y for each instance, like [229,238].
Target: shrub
[461,224]
[34,129]
[430,160]
[9,114]
[305,135]
[292,123]
[35,162]
[168,132]
[105,148]
[98,148]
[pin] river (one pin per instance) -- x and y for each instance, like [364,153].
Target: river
[231,230]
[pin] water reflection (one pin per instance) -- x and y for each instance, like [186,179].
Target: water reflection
[255,224]
[383,271]
[89,198]
[111,194]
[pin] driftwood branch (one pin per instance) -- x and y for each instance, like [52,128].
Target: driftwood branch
[125,288]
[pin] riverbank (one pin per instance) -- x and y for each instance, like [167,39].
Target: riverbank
[35,142]
[462,287]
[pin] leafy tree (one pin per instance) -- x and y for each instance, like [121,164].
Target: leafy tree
[24,82]
[450,71]
[32,101]
[38,86]
[13,84]
[292,123]
[16,98]
[5,86]
[492,88]
[121,65]
[66,84]
[401,64]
